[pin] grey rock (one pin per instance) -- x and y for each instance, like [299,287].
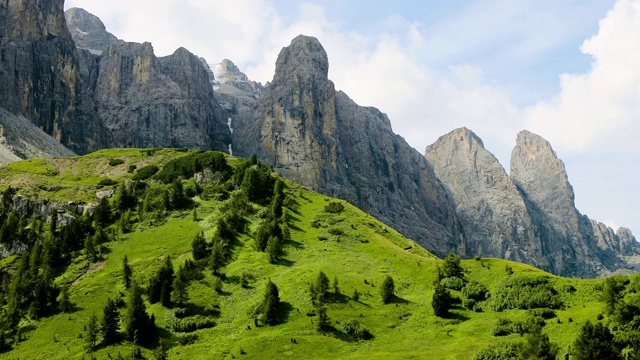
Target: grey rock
[39,76]
[88,31]
[491,210]
[105,194]
[147,101]
[20,139]
[323,140]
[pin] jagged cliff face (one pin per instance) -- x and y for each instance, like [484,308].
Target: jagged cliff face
[143,100]
[39,76]
[322,139]
[88,31]
[490,208]
[147,101]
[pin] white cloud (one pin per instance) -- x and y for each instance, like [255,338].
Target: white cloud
[600,107]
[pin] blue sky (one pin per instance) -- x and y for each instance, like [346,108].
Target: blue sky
[568,70]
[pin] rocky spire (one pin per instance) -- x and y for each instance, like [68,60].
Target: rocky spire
[304,57]
[87,30]
[489,206]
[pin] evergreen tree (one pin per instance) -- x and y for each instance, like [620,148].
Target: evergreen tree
[336,288]
[216,259]
[180,284]
[90,249]
[319,288]
[270,304]
[161,285]
[595,342]
[356,295]
[537,346]
[160,353]
[63,300]
[451,267]
[109,326]
[138,325]
[125,199]
[127,272]
[102,213]
[178,199]
[199,247]
[441,301]
[273,249]
[387,289]
[91,336]
[612,294]
[322,318]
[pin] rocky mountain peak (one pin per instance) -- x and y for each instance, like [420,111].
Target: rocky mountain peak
[87,30]
[538,172]
[304,57]
[228,71]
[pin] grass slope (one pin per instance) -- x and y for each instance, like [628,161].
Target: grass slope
[361,257]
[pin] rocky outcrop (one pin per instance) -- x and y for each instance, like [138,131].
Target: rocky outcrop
[88,31]
[145,101]
[575,245]
[491,210]
[20,139]
[323,140]
[39,76]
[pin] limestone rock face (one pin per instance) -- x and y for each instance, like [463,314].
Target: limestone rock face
[492,212]
[575,245]
[20,139]
[227,73]
[39,76]
[88,31]
[323,140]
[146,101]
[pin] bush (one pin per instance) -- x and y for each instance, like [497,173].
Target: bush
[191,324]
[501,351]
[145,172]
[354,329]
[476,291]
[451,266]
[186,166]
[115,162]
[187,339]
[543,313]
[521,292]
[334,207]
[387,289]
[452,283]
[469,304]
[336,231]
[503,327]
[105,181]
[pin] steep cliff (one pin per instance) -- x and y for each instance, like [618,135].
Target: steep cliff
[322,139]
[574,244]
[39,76]
[491,210]
[88,31]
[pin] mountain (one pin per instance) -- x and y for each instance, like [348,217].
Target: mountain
[143,100]
[219,314]
[529,216]
[325,141]
[20,139]
[39,74]
[88,31]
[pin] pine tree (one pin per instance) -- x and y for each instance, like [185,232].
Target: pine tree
[273,249]
[90,249]
[441,301]
[63,300]
[595,342]
[127,272]
[109,326]
[180,284]
[612,294]
[320,288]
[138,325]
[336,288]
[387,289]
[270,304]
[102,213]
[451,267]
[537,346]
[91,337]
[356,295]
[322,318]
[160,353]
[199,247]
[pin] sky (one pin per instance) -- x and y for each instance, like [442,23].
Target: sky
[568,70]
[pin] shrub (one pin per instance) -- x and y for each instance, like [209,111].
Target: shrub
[105,181]
[521,292]
[441,301]
[469,304]
[354,329]
[115,162]
[452,283]
[336,231]
[451,266]
[500,351]
[145,172]
[187,339]
[476,291]
[186,166]
[191,324]
[131,168]
[543,313]
[387,289]
[334,207]
[503,327]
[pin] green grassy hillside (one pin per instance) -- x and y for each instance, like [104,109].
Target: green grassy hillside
[349,245]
